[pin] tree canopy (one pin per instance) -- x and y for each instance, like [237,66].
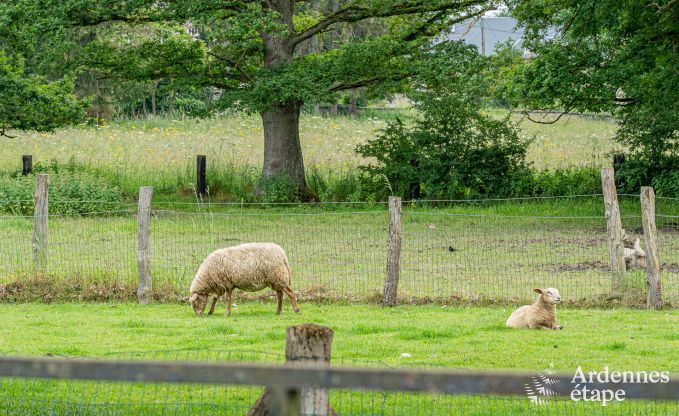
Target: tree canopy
[31,102]
[257,54]
[605,55]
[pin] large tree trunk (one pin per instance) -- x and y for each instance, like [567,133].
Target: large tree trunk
[282,149]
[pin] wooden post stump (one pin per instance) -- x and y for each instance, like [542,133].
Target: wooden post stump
[305,345]
[40,224]
[145,288]
[390,294]
[653,283]
[616,249]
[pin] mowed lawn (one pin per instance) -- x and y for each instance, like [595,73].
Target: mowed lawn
[404,336]
[433,335]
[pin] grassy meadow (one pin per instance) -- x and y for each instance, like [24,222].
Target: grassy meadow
[158,144]
[431,336]
[161,152]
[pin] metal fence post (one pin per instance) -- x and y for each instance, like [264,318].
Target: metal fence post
[40,225]
[145,289]
[389,298]
[653,283]
[616,250]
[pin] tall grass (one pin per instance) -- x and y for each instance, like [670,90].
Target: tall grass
[161,152]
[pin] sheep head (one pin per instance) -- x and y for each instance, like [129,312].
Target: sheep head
[198,303]
[549,295]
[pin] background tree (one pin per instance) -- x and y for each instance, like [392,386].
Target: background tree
[31,102]
[606,56]
[250,50]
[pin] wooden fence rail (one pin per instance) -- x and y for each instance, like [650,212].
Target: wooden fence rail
[277,376]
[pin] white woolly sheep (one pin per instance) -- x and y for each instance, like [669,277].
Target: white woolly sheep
[539,315]
[249,267]
[634,255]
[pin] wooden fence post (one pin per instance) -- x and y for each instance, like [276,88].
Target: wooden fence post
[305,345]
[390,294]
[40,218]
[283,402]
[27,164]
[653,283]
[616,249]
[201,182]
[145,288]
[310,344]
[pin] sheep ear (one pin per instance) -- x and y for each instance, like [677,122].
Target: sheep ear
[537,290]
[193,297]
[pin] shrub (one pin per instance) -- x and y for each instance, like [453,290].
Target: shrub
[581,180]
[451,151]
[662,173]
[71,192]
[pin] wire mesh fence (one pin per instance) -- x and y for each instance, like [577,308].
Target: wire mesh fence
[451,250]
[37,396]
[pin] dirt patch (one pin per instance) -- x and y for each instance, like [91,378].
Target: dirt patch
[578,267]
[582,242]
[46,289]
[599,266]
[669,228]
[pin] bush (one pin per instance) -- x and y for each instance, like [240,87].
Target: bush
[452,151]
[662,173]
[581,180]
[71,191]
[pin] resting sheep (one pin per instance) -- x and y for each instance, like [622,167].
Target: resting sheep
[539,315]
[249,267]
[634,255]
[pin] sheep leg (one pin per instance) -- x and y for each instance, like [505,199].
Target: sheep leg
[227,297]
[280,302]
[214,302]
[293,298]
[556,328]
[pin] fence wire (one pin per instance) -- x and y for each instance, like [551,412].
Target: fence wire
[67,397]
[451,250]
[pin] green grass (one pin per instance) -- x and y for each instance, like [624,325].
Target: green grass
[434,336]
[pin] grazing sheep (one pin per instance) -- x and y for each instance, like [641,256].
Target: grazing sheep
[635,256]
[539,315]
[249,267]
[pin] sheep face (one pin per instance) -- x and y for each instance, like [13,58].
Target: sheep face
[551,295]
[198,303]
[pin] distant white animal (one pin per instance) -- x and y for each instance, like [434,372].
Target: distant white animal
[635,256]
